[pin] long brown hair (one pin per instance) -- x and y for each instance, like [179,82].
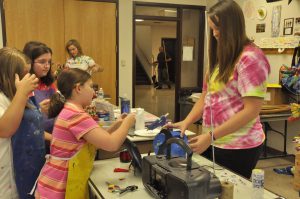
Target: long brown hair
[12,61]
[224,52]
[34,49]
[75,43]
[66,82]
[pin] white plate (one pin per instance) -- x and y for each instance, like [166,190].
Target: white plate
[261,13]
[147,133]
[195,96]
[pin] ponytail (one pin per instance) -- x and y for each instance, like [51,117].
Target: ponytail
[57,103]
[66,82]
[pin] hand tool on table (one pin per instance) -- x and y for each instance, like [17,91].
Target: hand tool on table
[112,187]
[129,188]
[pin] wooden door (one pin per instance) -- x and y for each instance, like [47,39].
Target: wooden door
[93,24]
[39,20]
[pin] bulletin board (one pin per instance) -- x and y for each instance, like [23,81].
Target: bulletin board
[272,26]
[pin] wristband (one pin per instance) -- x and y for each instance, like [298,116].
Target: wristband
[212,135]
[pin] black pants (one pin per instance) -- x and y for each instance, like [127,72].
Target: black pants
[163,77]
[240,161]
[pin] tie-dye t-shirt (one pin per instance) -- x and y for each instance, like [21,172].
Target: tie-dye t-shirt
[249,78]
[82,62]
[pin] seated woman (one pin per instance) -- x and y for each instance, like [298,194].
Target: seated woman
[78,60]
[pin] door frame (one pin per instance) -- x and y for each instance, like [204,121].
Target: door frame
[178,53]
[176,56]
[4,37]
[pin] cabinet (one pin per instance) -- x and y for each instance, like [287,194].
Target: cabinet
[55,22]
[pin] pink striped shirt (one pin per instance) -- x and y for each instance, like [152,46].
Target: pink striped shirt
[71,124]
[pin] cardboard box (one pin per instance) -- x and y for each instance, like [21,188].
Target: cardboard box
[275,95]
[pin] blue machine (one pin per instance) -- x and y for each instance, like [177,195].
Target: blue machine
[161,139]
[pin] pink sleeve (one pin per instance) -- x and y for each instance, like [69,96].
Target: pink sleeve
[253,70]
[81,124]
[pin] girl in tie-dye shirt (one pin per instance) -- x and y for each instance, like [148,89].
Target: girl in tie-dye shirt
[232,95]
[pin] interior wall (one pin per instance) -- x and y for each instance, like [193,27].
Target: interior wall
[145,45]
[287,11]
[125,49]
[276,60]
[189,69]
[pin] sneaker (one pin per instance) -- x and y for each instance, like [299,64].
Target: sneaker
[286,171]
[159,87]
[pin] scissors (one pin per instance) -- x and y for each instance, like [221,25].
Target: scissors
[129,188]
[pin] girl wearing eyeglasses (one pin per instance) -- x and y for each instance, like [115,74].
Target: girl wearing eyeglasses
[41,61]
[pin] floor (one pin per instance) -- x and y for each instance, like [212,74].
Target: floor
[161,101]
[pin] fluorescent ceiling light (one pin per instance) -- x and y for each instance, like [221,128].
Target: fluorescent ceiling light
[166,10]
[138,20]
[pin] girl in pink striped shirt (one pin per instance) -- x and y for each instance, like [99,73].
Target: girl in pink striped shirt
[75,137]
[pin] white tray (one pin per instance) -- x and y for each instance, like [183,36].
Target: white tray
[147,133]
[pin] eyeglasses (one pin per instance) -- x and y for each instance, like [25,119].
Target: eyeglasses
[44,62]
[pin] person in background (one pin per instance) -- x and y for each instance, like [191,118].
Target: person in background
[41,61]
[15,86]
[75,136]
[77,58]
[232,95]
[163,73]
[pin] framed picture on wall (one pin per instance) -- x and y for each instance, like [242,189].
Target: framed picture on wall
[288,25]
[260,28]
[297,26]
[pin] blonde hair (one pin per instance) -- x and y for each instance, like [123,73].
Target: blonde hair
[12,62]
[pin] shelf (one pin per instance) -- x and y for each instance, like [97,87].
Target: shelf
[274,51]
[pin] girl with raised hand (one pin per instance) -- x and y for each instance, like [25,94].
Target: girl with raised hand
[16,84]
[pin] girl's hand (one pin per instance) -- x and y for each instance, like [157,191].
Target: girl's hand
[122,117]
[200,143]
[94,69]
[44,105]
[130,118]
[27,84]
[180,125]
